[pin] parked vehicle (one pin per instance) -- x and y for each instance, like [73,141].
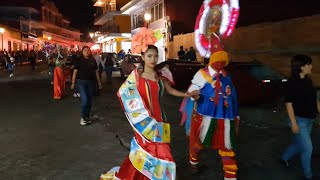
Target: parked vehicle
[254,81]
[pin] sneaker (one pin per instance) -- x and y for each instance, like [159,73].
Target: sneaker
[75,95]
[11,75]
[83,122]
[88,120]
[51,82]
[78,94]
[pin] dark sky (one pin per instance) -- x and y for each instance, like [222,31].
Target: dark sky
[256,11]
[80,12]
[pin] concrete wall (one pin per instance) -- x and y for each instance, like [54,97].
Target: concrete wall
[271,43]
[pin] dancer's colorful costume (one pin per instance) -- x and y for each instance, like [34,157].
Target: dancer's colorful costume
[59,78]
[212,120]
[150,155]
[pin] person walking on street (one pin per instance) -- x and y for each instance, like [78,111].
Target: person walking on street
[11,64]
[32,60]
[86,72]
[302,108]
[108,64]
[101,68]
[212,119]
[74,59]
[127,66]
[59,79]
[50,68]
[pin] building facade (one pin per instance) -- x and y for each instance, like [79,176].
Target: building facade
[113,27]
[40,23]
[170,17]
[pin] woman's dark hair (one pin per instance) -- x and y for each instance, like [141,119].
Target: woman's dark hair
[297,62]
[142,53]
[84,47]
[90,55]
[150,47]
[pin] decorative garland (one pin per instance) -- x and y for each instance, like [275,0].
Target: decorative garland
[229,15]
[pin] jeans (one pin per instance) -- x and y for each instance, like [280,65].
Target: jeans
[86,93]
[10,68]
[302,144]
[109,70]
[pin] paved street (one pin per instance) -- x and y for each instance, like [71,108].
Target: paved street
[42,139]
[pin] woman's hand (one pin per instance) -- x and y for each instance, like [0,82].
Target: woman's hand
[72,86]
[295,128]
[194,94]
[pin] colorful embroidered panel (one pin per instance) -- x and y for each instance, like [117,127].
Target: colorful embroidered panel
[139,116]
[152,167]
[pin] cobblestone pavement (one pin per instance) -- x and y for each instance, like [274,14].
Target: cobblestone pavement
[42,139]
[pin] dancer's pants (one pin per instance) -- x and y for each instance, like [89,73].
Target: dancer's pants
[195,146]
[59,82]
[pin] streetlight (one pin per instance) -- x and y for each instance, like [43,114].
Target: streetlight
[49,38]
[147,18]
[1,32]
[91,35]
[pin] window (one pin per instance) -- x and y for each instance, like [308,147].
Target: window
[156,12]
[160,10]
[152,14]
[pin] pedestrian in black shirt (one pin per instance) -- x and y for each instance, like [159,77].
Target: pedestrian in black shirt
[108,64]
[302,107]
[86,72]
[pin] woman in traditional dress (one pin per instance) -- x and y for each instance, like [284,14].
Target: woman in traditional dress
[59,80]
[150,155]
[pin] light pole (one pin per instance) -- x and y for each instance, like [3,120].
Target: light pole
[1,32]
[147,18]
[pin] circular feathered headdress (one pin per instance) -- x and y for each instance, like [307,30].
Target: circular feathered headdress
[216,19]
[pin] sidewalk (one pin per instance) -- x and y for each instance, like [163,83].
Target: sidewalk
[23,72]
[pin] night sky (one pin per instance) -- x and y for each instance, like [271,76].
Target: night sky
[252,11]
[78,12]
